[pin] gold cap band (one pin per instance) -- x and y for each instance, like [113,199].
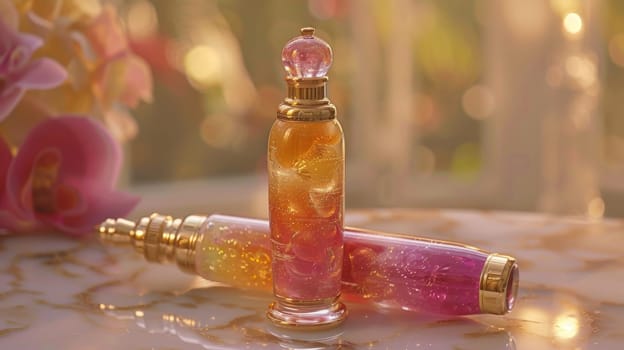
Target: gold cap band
[307,100]
[187,237]
[158,237]
[307,91]
[498,284]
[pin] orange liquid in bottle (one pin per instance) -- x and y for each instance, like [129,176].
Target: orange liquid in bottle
[306,204]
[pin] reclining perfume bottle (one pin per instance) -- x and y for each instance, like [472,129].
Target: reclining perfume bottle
[393,270]
[306,192]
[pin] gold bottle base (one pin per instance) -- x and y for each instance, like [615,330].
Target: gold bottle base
[316,314]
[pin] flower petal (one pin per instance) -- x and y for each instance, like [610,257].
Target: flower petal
[11,39]
[8,101]
[121,124]
[73,163]
[138,86]
[28,41]
[10,222]
[106,34]
[69,201]
[39,25]
[10,219]
[7,222]
[90,158]
[5,160]
[99,208]
[43,73]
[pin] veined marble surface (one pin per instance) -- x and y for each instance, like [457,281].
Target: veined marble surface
[59,293]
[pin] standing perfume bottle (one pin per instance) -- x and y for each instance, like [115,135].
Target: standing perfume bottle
[306,192]
[392,270]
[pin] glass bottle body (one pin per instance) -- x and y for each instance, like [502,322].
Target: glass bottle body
[395,271]
[306,206]
[306,200]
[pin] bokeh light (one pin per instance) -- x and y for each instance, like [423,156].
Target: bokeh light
[572,23]
[478,102]
[202,65]
[566,326]
[596,208]
[581,70]
[141,19]
[220,131]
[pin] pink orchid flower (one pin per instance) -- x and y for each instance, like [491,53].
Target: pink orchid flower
[5,160]
[18,72]
[62,178]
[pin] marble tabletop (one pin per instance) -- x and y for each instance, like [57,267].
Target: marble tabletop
[61,293]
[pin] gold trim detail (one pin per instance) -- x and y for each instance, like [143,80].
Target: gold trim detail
[153,237]
[307,100]
[188,236]
[307,31]
[158,237]
[498,284]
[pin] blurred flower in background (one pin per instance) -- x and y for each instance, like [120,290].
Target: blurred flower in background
[18,72]
[62,65]
[105,78]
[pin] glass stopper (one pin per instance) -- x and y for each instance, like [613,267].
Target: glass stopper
[306,56]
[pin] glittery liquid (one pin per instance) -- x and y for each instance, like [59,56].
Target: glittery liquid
[395,271]
[235,251]
[306,204]
[413,274]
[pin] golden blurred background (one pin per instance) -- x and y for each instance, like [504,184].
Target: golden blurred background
[508,105]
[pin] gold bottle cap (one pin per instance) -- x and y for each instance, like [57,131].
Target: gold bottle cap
[158,237]
[498,285]
[116,230]
[307,59]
